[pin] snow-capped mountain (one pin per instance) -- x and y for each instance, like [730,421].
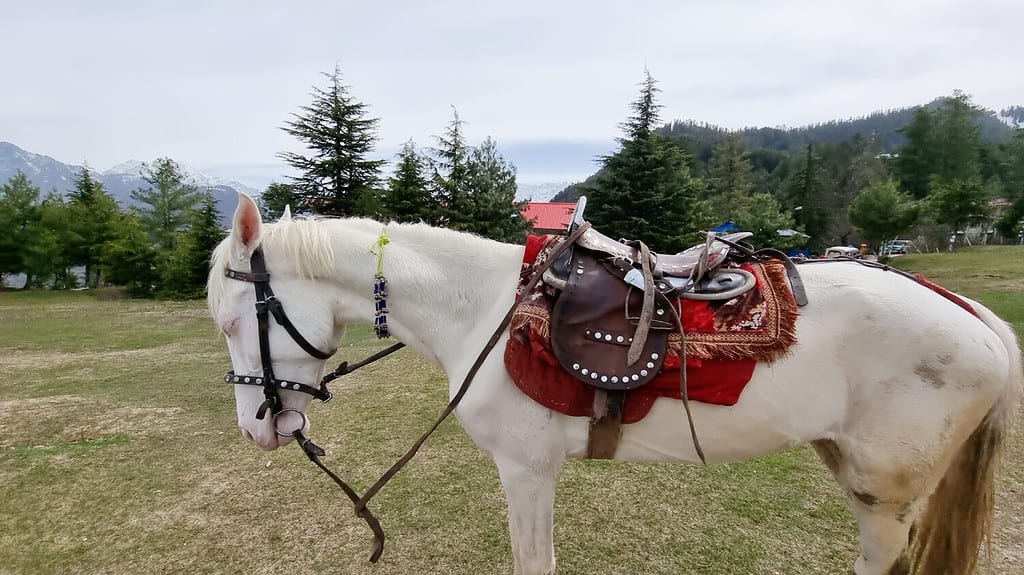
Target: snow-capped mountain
[134,169]
[45,172]
[120,181]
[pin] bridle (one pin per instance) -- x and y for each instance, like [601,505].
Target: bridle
[267,304]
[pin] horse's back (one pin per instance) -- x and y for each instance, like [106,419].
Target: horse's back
[872,346]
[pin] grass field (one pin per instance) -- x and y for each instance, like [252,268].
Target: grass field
[119,454]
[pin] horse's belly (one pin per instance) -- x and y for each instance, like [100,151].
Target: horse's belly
[777,409]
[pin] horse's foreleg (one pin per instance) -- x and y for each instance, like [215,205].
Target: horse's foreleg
[530,489]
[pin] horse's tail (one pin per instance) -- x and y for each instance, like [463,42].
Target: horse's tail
[958,519]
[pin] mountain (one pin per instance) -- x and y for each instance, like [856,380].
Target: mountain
[541,192]
[882,125]
[120,181]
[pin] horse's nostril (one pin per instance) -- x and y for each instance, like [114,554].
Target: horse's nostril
[246,435]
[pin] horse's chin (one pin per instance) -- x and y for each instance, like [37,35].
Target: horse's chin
[265,436]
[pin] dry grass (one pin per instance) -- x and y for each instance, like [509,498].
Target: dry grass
[119,454]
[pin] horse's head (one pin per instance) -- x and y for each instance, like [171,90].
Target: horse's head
[277,318]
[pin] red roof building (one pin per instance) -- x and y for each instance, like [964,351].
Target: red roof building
[549,217]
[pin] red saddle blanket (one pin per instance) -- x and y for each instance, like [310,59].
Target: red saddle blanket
[724,341]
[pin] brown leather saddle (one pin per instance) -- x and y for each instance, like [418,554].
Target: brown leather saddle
[617,304]
[599,314]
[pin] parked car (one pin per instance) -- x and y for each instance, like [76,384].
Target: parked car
[862,253]
[896,247]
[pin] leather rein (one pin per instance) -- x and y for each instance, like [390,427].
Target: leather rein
[268,305]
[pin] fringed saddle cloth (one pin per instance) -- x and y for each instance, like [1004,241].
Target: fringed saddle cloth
[724,341]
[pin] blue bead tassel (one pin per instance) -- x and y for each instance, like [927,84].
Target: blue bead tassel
[380,294]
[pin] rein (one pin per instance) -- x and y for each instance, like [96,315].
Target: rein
[266,302]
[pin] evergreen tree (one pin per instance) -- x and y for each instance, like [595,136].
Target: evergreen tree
[881,211]
[408,197]
[763,216]
[19,214]
[47,259]
[493,185]
[450,183]
[166,208]
[337,178]
[959,139]
[129,258]
[1009,225]
[274,199]
[958,203]
[645,190]
[93,213]
[804,193]
[186,273]
[729,178]
[918,159]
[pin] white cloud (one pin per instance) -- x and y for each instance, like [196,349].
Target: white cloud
[209,83]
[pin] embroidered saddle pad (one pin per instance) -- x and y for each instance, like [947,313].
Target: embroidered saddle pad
[724,341]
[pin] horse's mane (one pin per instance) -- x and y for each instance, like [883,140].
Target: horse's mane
[307,246]
[300,243]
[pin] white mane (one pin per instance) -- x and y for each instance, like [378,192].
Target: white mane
[311,247]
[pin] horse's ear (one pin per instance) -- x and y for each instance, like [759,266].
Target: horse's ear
[286,216]
[247,225]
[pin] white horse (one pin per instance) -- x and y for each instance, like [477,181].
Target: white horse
[905,396]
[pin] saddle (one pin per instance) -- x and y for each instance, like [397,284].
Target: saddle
[618,302]
[599,316]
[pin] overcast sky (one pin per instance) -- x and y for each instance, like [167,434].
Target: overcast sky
[210,82]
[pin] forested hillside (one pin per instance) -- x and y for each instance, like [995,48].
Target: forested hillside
[928,170]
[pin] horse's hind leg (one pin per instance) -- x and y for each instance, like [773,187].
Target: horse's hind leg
[886,505]
[530,489]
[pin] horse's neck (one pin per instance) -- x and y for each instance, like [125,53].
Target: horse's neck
[447,292]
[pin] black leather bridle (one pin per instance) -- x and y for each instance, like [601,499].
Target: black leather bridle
[266,305]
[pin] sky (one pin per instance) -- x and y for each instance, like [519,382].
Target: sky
[209,83]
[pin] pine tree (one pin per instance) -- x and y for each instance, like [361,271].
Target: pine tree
[804,194]
[493,184]
[1012,221]
[337,178]
[450,184]
[19,213]
[959,139]
[274,199]
[918,160]
[129,258]
[93,213]
[407,197]
[764,217]
[729,178]
[166,208]
[645,190]
[186,273]
[46,253]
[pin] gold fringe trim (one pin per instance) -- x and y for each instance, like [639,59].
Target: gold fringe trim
[770,343]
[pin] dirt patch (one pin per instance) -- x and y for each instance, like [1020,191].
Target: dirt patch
[132,421]
[15,360]
[70,418]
